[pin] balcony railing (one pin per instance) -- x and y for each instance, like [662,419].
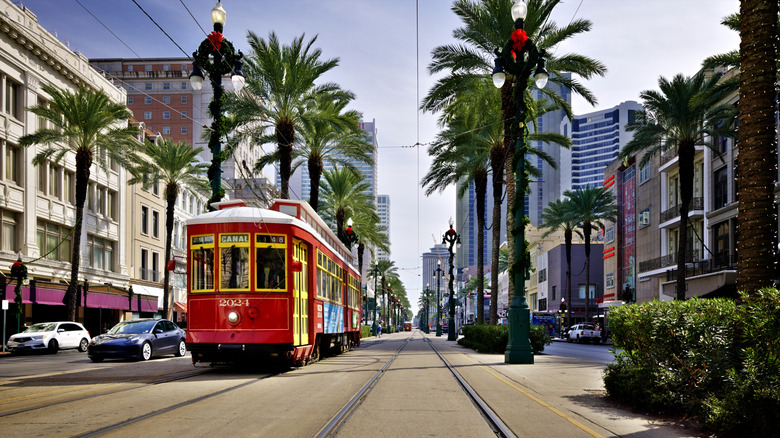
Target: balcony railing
[696,204]
[719,263]
[667,260]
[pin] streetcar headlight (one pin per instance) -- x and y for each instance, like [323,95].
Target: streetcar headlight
[233,317]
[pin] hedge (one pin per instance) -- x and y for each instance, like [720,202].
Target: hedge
[493,338]
[709,358]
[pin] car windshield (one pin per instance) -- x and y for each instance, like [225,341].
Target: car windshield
[47,327]
[132,327]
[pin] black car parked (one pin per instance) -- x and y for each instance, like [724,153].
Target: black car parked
[139,338]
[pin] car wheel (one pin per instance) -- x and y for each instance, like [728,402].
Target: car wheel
[96,359]
[83,345]
[54,346]
[568,339]
[182,349]
[146,351]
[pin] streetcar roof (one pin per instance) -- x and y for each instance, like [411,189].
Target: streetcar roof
[260,215]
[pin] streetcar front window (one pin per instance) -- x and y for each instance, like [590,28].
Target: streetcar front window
[270,269]
[234,268]
[203,269]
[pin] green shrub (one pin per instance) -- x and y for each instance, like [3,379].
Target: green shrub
[492,339]
[709,358]
[365,331]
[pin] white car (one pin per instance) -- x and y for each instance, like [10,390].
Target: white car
[51,336]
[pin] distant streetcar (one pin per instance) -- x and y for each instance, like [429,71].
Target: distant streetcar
[267,284]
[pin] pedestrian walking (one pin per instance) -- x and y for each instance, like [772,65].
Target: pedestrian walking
[379,330]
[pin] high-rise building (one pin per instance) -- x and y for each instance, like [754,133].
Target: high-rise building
[383,210]
[597,138]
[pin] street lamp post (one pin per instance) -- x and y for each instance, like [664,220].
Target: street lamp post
[438,297]
[216,57]
[451,238]
[376,275]
[520,57]
[427,307]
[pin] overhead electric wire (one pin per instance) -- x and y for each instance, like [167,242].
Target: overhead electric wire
[108,29]
[161,29]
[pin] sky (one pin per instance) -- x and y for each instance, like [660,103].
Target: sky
[384,49]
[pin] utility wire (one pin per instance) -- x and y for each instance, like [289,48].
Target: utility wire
[108,29]
[161,29]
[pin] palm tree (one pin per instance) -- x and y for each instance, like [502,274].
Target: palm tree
[388,274]
[458,160]
[85,123]
[344,195]
[487,25]
[278,93]
[369,232]
[591,206]
[556,216]
[682,116]
[177,167]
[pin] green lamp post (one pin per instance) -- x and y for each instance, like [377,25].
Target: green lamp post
[375,272]
[439,271]
[520,58]
[451,238]
[216,57]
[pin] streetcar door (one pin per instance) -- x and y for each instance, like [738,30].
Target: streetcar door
[301,294]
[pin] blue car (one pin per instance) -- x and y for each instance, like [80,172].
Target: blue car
[140,339]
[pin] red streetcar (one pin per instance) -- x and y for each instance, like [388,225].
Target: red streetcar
[265,284]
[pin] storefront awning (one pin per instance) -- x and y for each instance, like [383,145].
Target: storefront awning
[180,307]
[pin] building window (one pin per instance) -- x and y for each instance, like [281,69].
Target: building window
[609,234]
[184,67]
[67,187]
[148,86]
[155,266]
[49,235]
[111,204]
[644,173]
[144,220]
[130,100]
[592,291]
[12,106]
[41,168]
[721,246]
[543,304]
[102,251]
[166,85]
[156,224]
[55,183]
[147,100]
[11,163]
[644,218]
[721,144]
[156,189]
[166,130]
[184,99]
[184,87]
[554,290]
[720,188]
[166,67]
[543,275]
[609,281]
[9,236]
[148,67]
[166,115]
[183,129]
[147,115]
[166,100]
[129,68]
[145,274]
[184,114]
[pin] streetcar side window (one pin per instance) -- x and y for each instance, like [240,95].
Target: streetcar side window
[271,262]
[234,261]
[202,269]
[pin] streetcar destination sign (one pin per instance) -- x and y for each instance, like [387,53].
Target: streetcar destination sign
[234,238]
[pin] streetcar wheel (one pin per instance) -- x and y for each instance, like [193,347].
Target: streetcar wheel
[182,349]
[96,359]
[53,346]
[146,351]
[83,345]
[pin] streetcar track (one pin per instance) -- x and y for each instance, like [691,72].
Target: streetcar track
[493,421]
[171,408]
[88,396]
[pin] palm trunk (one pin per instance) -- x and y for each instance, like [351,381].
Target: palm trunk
[586,228]
[567,235]
[497,164]
[480,187]
[361,250]
[285,133]
[83,163]
[686,155]
[508,111]
[757,172]
[171,192]
[315,172]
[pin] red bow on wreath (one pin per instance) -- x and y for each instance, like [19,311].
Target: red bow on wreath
[519,37]
[216,40]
